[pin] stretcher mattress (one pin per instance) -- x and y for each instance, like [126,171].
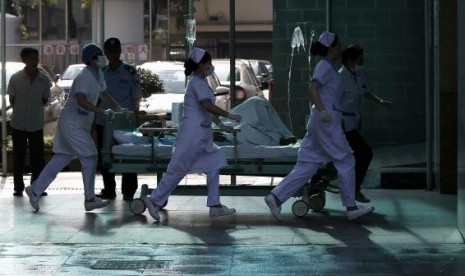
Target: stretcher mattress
[243,151]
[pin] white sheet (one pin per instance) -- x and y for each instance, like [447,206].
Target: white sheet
[243,151]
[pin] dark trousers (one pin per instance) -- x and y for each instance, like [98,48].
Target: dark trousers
[362,154]
[129,180]
[22,142]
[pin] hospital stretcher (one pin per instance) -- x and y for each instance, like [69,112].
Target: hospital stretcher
[312,196]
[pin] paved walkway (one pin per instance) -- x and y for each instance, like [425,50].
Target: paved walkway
[411,232]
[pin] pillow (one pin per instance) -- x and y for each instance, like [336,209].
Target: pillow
[125,137]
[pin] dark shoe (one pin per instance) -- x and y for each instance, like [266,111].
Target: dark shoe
[128,198]
[18,194]
[44,194]
[361,197]
[103,195]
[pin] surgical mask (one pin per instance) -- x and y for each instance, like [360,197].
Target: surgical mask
[210,70]
[101,61]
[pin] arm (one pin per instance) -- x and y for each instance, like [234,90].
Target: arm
[215,110]
[136,104]
[110,101]
[84,103]
[315,96]
[373,98]
[12,101]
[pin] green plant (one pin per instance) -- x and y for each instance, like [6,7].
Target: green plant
[149,82]
[48,141]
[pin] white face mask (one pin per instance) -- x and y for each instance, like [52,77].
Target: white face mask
[210,70]
[101,61]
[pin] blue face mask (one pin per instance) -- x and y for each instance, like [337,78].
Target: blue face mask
[210,70]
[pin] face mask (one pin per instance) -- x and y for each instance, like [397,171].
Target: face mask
[210,70]
[101,61]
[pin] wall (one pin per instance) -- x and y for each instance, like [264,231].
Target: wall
[392,33]
[461,116]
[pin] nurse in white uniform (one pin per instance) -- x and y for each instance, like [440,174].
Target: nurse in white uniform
[72,136]
[194,150]
[325,140]
[354,88]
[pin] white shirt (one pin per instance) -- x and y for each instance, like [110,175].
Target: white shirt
[354,87]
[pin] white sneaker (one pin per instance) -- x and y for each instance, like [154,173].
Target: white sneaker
[275,210]
[360,212]
[95,204]
[33,199]
[153,208]
[221,211]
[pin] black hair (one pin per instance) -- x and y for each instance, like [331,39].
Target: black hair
[351,53]
[318,49]
[190,65]
[27,52]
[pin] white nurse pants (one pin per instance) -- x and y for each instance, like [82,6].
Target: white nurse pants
[58,162]
[170,181]
[303,171]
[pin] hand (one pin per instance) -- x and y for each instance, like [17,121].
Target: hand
[109,113]
[226,128]
[235,117]
[386,104]
[325,117]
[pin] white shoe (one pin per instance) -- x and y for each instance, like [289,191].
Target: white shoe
[221,211]
[153,208]
[359,212]
[95,204]
[33,199]
[275,210]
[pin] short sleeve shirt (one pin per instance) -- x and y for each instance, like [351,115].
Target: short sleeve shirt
[327,76]
[197,92]
[123,86]
[28,110]
[353,88]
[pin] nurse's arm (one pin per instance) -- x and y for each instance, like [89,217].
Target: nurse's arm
[215,110]
[372,97]
[84,103]
[110,101]
[315,96]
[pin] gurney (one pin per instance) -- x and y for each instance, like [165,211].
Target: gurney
[143,155]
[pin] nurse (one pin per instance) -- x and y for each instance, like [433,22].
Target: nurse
[354,88]
[194,150]
[324,140]
[72,136]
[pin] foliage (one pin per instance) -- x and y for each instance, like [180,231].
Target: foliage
[149,82]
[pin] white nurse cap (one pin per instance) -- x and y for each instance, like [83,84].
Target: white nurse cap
[326,38]
[197,54]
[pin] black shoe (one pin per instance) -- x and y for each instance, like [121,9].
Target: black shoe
[128,198]
[18,194]
[105,196]
[44,194]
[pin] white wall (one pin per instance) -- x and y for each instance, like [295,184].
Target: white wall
[246,10]
[123,19]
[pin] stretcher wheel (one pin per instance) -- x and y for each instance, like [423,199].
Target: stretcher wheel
[317,201]
[137,206]
[300,208]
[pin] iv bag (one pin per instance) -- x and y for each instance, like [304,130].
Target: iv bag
[191,30]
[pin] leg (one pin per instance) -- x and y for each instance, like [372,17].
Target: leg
[295,180]
[129,184]
[109,184]
[346,172]
[363,155]
[49,173]
[89,165]
[213,186]
[168,183]
[19,157]
[36,153]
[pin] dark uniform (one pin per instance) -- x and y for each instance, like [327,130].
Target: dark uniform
[122,85]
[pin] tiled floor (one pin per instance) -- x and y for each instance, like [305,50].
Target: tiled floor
[411,231]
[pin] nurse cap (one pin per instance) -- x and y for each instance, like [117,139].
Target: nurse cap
[326,38]
[89,52]
[197,54]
